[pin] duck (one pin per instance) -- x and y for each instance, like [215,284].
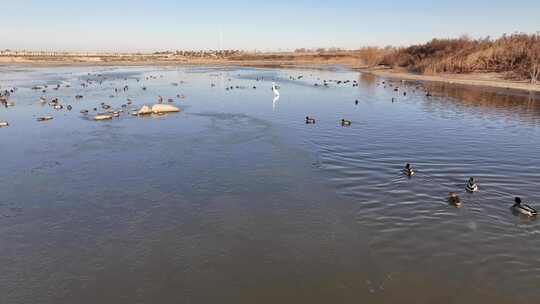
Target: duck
[310,120]
[408,170]
[44,118]
[471,186]
[454,200]
[4,124]
[346,123]
[356,102]
[523,208]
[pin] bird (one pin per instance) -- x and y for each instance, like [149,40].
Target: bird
[523,208]
[454,199]
[346,123]
[274,89]
[310,120]
[408,170]
[44,118]
[471,186]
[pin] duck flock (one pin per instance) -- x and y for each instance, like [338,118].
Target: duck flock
[103,111]
[107,112]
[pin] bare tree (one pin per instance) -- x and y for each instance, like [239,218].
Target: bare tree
[535,72]
[533,54]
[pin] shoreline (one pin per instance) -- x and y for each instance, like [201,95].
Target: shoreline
[491,80]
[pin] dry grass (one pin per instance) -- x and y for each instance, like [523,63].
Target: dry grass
[517,56]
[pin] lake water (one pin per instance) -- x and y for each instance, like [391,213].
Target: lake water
[237,200]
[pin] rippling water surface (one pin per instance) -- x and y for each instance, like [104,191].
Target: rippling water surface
[237,200]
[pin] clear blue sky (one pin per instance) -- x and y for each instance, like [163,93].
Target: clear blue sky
[138,25]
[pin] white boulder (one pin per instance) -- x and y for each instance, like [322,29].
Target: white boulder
[164,108]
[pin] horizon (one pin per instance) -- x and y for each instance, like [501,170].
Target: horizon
[127,27]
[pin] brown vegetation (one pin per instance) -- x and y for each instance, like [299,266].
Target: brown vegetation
[517,56]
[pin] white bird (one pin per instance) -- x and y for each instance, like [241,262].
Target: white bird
[274,89]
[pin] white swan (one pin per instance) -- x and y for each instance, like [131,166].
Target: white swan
[274,89]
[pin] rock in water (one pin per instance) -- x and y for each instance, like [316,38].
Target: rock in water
[164,108]
[102,117]
[145,110]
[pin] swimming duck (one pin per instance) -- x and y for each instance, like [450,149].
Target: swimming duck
[346,123]
[356,102]
[44,118]
[523,208]
[310,120]
[471,186]
[454,199]
[84,111]
[408,170]
[4,124]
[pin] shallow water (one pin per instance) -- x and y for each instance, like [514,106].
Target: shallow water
[237,200]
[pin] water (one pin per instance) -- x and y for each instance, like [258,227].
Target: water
[237,200]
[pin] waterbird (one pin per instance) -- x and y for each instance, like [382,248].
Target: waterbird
[471,186]
[310,120]
[454,199]
[408,170]
[346,123]
[523,208]
[44,118]
[274,89]
[356,102]
[4,124]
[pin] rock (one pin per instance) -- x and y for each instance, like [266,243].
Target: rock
[102,117]
[164,108]
[145,110]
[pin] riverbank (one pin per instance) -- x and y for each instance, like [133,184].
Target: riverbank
[493,80]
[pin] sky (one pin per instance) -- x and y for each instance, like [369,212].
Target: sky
[136,25]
